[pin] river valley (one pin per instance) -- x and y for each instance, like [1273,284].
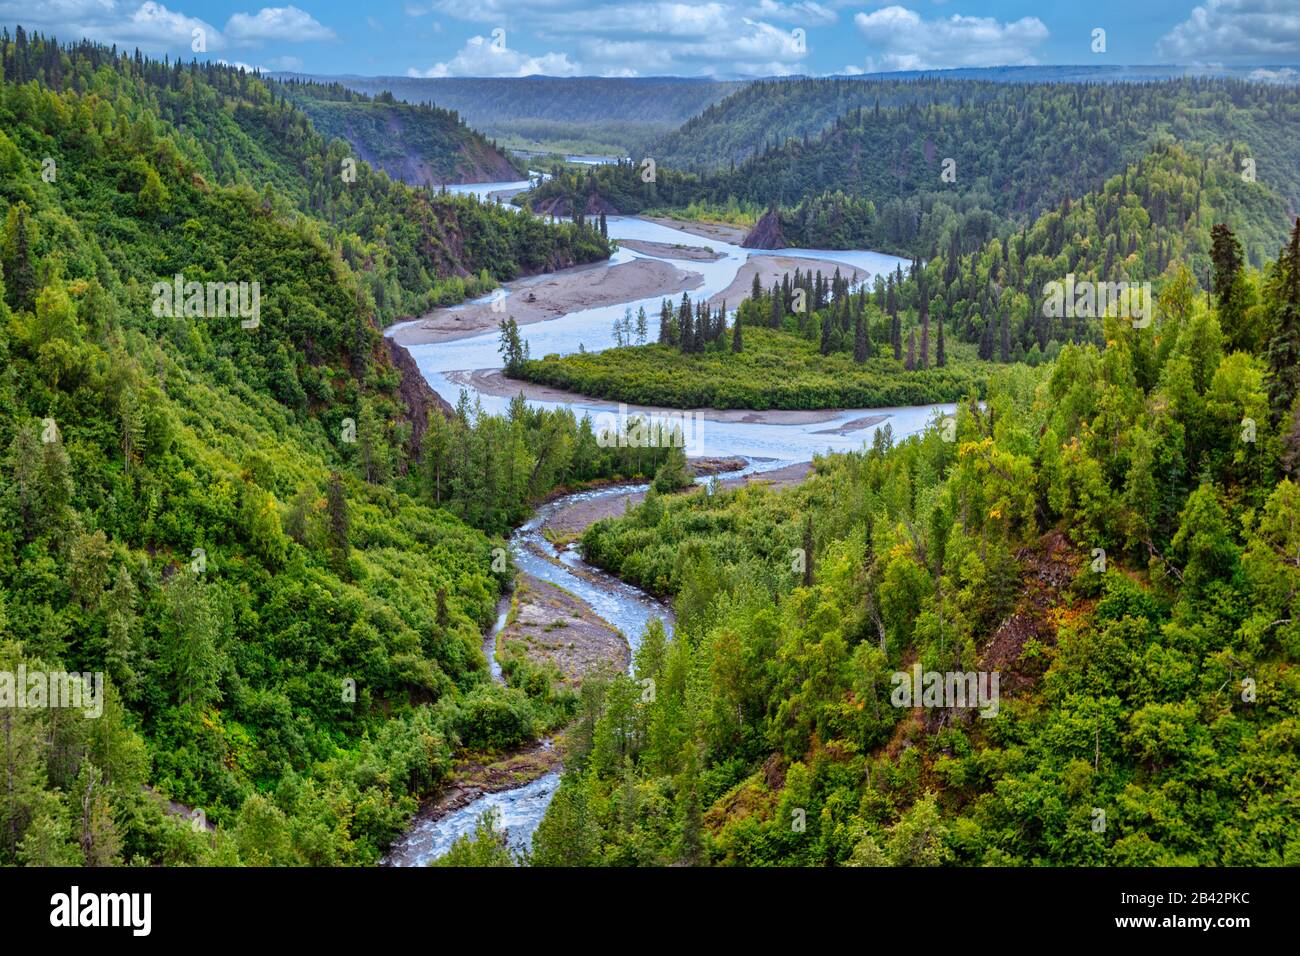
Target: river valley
[775,444]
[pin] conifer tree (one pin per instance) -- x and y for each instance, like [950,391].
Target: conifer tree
[1284,347]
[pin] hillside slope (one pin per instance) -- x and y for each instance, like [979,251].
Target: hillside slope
[417,144]
[216,498]
[1091,573]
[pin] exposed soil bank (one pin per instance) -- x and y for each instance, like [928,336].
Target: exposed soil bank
[491,382]
[668,250]
[538,299]
[771,268]
[556,627]
[705,230]
[856,425]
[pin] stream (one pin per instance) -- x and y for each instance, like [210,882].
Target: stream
[763,445]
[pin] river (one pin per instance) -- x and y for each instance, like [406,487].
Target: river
[764,446]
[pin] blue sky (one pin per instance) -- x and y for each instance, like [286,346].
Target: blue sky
[682,37]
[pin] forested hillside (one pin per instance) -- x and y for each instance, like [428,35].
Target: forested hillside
[1115,534]
[1155,222]
[983,157]
[420,145]
[250,522]
[766,114]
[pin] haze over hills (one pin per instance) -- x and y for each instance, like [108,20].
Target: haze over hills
[578,114]
[641,115]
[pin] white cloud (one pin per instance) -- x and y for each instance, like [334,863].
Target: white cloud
[55,11]
[150,26]
[1258,30]
[489,11]
[1283,75]
[480,57]
[276,23]
[654,20]
[678,38]
[801,13]
[241,65]
[157,29]
[909,42]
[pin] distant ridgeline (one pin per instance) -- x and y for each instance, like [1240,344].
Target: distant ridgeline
[579,114]
[899,165]
[225,496]
[421,145]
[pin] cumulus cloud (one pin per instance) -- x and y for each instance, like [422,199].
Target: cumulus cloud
[486,11]
[481,57]
[150,26]
[909,42]
[802,12]
[647,37]
[671,37]
[661,19]
[276,23]
[1252,30]
[157,29]
[1282,75]
[241,65]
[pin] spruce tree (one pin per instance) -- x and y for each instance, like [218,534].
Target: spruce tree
[340,523]
[1284,347]
[925,331]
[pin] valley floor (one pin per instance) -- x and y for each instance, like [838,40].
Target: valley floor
[539,298]
[491,381]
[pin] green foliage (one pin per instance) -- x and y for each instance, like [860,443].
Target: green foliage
[228,520]
[774,370]
[857,163]
[1146,710]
